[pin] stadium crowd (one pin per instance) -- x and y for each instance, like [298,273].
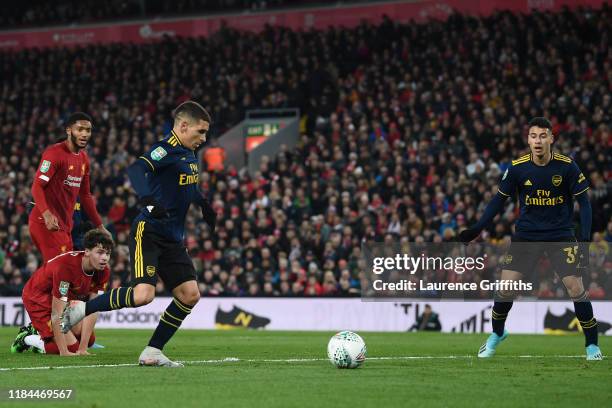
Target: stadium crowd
[37,13]
[408,130]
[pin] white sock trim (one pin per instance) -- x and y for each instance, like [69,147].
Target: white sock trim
[35,340]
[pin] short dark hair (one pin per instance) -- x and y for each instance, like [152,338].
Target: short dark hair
[76,116]
[192,110]
[540,122]
[95,237]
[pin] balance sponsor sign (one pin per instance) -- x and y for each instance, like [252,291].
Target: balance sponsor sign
[337,314]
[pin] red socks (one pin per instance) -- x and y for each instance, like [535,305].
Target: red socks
[51,347]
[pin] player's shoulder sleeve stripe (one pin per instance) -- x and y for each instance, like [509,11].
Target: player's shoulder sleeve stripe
[175,139]
[581,191]
[562,158]
[502,193]
[167,144]
[71,253]
[148,161]
[522,159]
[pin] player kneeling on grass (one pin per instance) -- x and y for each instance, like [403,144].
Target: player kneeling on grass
[69,276]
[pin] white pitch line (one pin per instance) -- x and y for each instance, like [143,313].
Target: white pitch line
[62,367]
[290,360]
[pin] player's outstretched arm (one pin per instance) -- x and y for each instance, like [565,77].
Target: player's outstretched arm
[495,206]
[209,214]
[87,328]
[507,186]
[586,220]
[586,216]
[57,306]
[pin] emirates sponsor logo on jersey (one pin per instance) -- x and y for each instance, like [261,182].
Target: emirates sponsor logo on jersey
[73,181]
[543,198]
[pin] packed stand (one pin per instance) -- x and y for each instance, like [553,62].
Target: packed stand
[408,130]
[40,13]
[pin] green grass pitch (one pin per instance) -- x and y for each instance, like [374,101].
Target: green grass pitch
[287,369]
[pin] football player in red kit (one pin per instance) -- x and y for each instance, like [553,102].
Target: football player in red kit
[62,176]
[76,275]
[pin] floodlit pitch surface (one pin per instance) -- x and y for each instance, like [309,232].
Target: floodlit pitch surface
[285,369]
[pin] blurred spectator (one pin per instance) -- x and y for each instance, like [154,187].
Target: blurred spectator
[214,156]
[35,13]
[408,128]
[427,321]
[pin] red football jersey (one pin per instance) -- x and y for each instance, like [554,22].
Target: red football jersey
[63,276]
[63,176]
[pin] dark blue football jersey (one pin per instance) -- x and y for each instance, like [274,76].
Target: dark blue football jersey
[173,183]
[546,196]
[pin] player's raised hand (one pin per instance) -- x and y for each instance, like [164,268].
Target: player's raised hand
[155,209]
[468,235]
[51,221]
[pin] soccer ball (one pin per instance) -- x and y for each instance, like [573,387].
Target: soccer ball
[346,350]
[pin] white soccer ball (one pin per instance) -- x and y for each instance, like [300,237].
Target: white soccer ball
[346,350]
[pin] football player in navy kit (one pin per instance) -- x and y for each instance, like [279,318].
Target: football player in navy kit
[546,183]
[166,179]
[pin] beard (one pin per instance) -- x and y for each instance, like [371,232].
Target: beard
[75,141]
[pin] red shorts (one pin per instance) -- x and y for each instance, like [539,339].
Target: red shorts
[49,243]
[39,315]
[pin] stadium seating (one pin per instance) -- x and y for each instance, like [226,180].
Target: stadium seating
[408,130]
[38,13]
